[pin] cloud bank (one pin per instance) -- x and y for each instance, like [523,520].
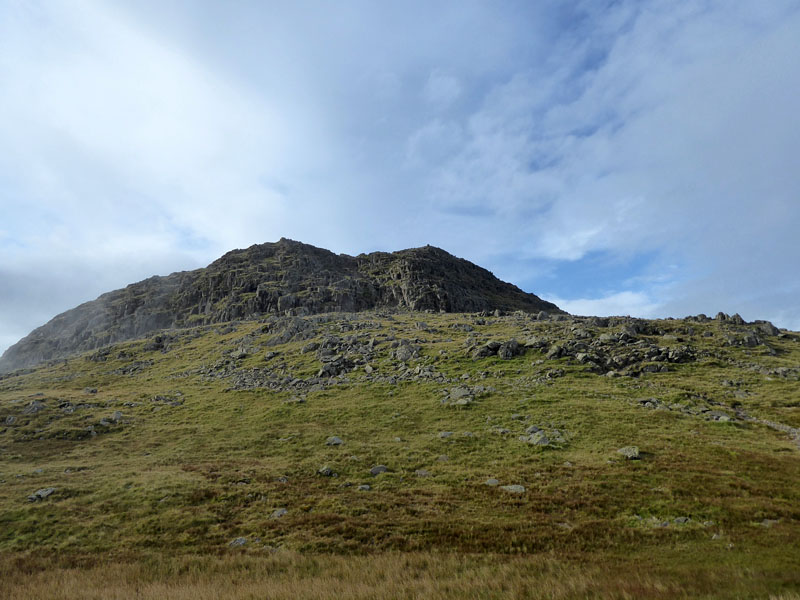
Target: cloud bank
[621,157]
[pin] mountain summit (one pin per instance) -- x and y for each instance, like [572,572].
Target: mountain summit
[285,277]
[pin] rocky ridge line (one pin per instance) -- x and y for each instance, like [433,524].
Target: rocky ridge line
[282,278]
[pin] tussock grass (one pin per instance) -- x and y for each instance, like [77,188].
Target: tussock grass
[286,575]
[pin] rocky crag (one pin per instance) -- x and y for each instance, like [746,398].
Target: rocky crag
[282,278]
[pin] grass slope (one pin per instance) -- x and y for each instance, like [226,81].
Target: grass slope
[152,498]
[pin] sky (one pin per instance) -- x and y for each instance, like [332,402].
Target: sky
[616,157]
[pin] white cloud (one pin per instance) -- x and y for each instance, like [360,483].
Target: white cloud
[107,120]
[627,303]
[678,141]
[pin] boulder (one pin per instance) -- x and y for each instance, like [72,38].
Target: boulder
[630,452]
[508,350]
[309,347]
[767,328]
[405,353]
[41,494]
[555,351]
[482,352]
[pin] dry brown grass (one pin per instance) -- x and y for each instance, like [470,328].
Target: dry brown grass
[286,575]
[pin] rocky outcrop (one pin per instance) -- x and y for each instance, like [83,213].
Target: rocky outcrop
[285,277]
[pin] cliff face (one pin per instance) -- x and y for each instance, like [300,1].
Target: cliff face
[285,277]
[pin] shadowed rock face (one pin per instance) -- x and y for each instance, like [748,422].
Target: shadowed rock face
[285,277]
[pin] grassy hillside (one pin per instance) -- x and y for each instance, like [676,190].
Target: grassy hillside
[202,463]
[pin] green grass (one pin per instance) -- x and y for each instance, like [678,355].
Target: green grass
[186,480]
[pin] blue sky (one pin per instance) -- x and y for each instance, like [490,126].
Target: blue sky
[615,157]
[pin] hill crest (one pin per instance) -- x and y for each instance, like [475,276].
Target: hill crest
[285,277]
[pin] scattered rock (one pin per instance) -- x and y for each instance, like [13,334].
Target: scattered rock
[364,487]
[717,415]
[334,441]
[378,469]
[278,513]
[41,494]
[491,482]
[34,407]
[239,541]
[482,352]
[462,396]
[630,452]
[508,350]
[175,399]
[326,472]
[514,489]
[406,351]
[768,522]
[537,438]
[505,350]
